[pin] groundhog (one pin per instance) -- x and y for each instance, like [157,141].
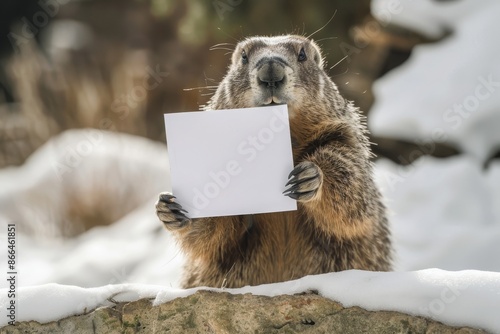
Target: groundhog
[340,222]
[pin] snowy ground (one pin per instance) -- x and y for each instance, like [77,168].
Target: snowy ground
[445,213]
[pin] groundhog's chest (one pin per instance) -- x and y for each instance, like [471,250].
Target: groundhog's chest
[281,243]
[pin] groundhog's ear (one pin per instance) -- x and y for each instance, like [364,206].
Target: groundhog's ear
[318,57]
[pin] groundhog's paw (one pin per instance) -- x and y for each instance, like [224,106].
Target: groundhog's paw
[304,181]
[171,213]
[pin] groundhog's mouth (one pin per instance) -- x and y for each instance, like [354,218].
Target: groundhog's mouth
[272,101]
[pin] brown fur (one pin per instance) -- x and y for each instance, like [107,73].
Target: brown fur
[340,222]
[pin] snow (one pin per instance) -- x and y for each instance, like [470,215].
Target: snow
[134,249]
[68,300]
[433,293]
[428,17]
[452,88]
[459,229]
[77,166]
[444,213]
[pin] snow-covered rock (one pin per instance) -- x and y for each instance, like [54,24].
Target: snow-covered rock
[447,91]
[449,297]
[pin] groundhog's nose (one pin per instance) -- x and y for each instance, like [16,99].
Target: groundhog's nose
[271,73]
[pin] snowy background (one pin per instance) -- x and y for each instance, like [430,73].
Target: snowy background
[445,213]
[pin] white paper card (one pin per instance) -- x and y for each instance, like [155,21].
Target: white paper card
[230,162]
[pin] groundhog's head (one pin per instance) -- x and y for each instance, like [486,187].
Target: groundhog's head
[273,70]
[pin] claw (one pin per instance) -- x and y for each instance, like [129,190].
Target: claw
[170,212]
[299,195]
[292,188]
[298,169]
[292,180]
[304,181]
[296,180]
[176,207]
[175,223]
[180,216]
[180,221]
[292,195]
[167,198]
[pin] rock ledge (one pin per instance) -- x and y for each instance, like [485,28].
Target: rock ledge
[212,312]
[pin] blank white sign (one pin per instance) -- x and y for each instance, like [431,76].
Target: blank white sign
[230,162]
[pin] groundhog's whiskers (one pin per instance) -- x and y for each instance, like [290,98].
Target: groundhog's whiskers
[341,60]
[211,90]
[326,38]
[323,27]
[223,46]
[200,88]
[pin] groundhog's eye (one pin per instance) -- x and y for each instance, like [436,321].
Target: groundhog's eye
[244,57]
[302,55]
